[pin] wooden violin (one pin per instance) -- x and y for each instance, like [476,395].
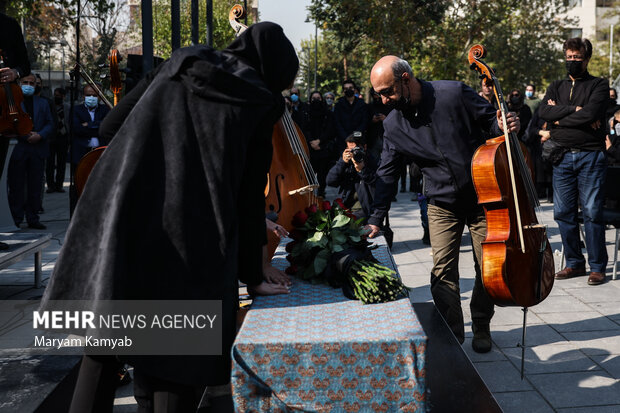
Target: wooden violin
[13,119]
[517,262]
[292,182]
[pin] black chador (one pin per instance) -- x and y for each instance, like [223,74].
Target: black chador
[174,209]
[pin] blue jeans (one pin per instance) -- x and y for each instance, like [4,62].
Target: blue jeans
[581,176]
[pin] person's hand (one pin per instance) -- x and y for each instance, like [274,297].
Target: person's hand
[347,155]
[378,117]
[373,230]
[551,102]
[596,125]
[358,166]
[85,124]
[275,276]
[512,121]
[316,144]
[607,142]
[544,135]
[578,108]
[266,288]
[7,75]
[33,137]
[278,230]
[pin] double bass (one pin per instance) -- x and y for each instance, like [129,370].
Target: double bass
[291,180]
[517,262]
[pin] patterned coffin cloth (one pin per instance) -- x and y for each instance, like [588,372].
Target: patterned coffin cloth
[315,350]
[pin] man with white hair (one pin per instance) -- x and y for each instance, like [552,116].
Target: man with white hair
[438,125]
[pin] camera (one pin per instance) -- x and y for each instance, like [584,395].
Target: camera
[358,154]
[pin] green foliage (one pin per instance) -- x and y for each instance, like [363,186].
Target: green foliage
[223,33]
[523,39]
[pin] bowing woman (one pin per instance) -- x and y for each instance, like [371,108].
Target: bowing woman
[179,201]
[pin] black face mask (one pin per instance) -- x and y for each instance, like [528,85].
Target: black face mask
[58,101]
[611,103]
[402,103]
[515,100]
[349,93]
[316,105]
[37,90]
[573,67]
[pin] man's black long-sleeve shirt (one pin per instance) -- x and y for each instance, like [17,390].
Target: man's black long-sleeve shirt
[13,46]
[451,121]
[574,129]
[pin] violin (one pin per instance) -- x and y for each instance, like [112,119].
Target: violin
[291,182]
[517,267]
[13,119]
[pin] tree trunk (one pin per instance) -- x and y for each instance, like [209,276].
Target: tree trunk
[346,67]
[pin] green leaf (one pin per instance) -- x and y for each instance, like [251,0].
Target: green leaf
[355,238]
[338,237]
[340,221]
[316,237]
[320,261]
[337,248]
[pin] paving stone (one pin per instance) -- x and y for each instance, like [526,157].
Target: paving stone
[578,321]
[596,293]
[513,316]
[609,308]
[579,389]
[501,376]
[596,343]
[518,402]
[560,304]
[592,409]
[551,358]
[611,364]
[539,334]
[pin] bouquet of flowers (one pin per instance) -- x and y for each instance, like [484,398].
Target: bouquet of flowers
[329,246]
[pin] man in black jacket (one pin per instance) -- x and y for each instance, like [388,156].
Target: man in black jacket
[350,115]
[439,125]
[355,174]
[575,109]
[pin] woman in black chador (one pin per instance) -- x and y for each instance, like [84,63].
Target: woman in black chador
[174,209]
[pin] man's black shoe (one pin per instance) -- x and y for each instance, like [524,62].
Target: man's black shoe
[50,190]
[37,225]
[482,338]
[4,246]
[60,189]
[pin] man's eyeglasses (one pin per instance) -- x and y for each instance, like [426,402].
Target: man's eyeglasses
[387,92]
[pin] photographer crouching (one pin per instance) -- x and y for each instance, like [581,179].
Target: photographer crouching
[355,174]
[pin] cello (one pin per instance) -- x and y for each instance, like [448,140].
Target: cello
[291,182]
[517,262]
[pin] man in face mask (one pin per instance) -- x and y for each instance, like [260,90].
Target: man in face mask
[612,104]
[574,107]
[298,108]
[428,128]
[86,121]
[27,161]
[350,115]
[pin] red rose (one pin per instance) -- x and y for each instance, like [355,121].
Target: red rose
[291,270]
[326,206]
[311,209]
[299,219]
[340,203]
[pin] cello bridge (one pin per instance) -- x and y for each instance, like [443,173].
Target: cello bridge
[303,190]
